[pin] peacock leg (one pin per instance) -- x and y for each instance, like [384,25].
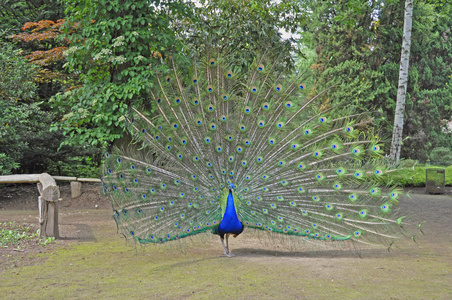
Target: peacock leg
[227,246]
[226,251]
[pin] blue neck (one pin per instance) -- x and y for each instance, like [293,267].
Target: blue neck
[230,222]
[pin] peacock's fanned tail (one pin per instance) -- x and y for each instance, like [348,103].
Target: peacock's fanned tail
[297,171]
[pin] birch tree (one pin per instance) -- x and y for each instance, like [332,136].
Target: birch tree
[403,82]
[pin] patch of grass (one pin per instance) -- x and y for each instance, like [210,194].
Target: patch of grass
[415,176]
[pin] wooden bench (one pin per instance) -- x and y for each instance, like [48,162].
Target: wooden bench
[49,196]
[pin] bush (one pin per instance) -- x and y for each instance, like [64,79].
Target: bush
[78,166]
[414,176]
[408,163]
[7,164]
[441,154]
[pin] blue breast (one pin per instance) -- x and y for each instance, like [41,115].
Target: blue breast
[230,222]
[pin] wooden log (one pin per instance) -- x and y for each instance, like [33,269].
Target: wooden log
[76,189]
[30,178]
[89,180]
[48,200]
[33,178]
[64,178]
[48,188]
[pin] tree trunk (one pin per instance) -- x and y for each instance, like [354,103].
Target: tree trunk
[403,82]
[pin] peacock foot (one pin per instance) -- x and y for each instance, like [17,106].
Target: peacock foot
[228,255]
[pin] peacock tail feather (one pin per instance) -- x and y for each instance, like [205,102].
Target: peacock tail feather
[297,169]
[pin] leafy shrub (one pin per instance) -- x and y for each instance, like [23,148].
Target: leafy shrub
[414,176]
[441,154]
[408,163]
[7,164]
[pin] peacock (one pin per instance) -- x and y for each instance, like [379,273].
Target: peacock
[223,150]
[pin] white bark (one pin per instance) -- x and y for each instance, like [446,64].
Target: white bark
[403,82]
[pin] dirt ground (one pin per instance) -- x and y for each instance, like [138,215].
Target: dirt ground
[91,260]
[20,205]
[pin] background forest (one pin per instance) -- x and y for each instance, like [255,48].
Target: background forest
[70,70]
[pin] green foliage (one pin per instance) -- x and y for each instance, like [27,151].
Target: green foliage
[441,154]
[17,122]
[407,163]
[78,166]
[358,47]
[26,145]
[14,13]
[241,28]
[112,45]
[429,107]
[44,241]
[16,76]
[414,176]
[7,164]
[344,40]
[12,233]
[16,90]
[16,235]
